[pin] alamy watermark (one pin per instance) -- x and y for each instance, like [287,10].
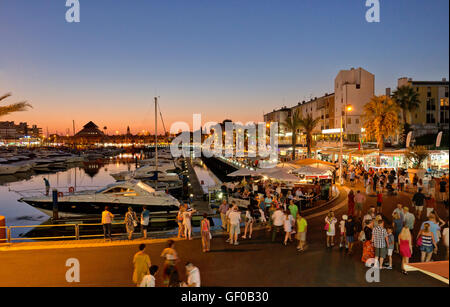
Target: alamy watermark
[373,13]
[73,13]
[73,273]
[227,139]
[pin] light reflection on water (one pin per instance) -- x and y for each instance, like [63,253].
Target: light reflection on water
[86,174]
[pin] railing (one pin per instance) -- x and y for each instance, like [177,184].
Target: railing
[76,231]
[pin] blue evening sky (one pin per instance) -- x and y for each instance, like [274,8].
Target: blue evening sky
[221,58]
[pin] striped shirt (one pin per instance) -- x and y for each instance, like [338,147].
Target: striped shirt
[427,241]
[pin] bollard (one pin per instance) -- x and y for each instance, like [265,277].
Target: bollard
[2,230]
[77,231]
[55,204]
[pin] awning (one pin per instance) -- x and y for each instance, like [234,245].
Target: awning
[437,269]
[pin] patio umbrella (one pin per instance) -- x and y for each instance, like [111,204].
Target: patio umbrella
[311,171]
[243,172]
[282,175]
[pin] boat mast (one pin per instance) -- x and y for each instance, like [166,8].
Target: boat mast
[156,135]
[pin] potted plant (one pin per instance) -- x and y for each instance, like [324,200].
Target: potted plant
[416,157]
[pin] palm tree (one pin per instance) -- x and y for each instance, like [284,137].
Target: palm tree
[293,124]
[15,107]
[381,119]
[309,124]
[407,99]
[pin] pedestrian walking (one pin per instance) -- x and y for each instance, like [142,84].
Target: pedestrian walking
[406,249]
[145,220]
[206,233]
[418,201]
[278,218]
[130,222]
[391,245]
[107,218]
[397,226]
[350,234]
[235,221]
[302,228]
[426,241]
[330,228]
[180,222]
[342,241]
[445,239]
[142,263]
[47,186]
[380,242]
[223,208]
[360,200]
[288,225]
[187,223]
[170,256]
[443,195]
[379,202]
[249,220]
[351,203]
[409,219]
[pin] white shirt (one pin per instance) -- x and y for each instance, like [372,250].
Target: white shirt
[288,223]
[194,277]
[278,218]
[148,281]
[235,217]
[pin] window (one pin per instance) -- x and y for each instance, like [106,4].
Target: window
[357,120]
[444,117]
[446,91]
[431,106]
[430,118]
[358,86]
[429,92]
[349,121]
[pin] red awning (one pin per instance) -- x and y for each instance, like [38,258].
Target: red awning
[438,269]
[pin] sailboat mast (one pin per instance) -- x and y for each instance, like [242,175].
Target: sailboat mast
[156,134]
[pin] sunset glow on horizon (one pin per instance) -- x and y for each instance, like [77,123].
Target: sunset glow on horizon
[224,60]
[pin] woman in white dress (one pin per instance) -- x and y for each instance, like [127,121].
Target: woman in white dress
[330,228]
[287,225]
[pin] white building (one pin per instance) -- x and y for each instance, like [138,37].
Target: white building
[355,88]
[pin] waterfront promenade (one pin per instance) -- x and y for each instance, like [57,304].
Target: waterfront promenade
[255,262]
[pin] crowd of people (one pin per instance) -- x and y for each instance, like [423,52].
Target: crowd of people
[144,272]
[411,228]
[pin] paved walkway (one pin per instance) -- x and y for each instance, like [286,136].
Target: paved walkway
[256,262]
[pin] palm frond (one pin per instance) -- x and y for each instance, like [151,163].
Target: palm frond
[15,107]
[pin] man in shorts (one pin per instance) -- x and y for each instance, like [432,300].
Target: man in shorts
[419,200]
[235,221]
[380,242]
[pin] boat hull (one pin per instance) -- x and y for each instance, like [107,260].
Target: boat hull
[80,209]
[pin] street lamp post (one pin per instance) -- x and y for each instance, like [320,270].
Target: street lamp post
[341,180]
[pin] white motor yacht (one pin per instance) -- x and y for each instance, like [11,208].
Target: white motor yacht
[118,196]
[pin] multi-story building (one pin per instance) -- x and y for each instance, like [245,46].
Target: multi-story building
[280,116]
[354,88]
[9,130]
[433,112]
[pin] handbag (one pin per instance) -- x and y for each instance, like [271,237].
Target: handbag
[362,236]
[419,241]
[327,227]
